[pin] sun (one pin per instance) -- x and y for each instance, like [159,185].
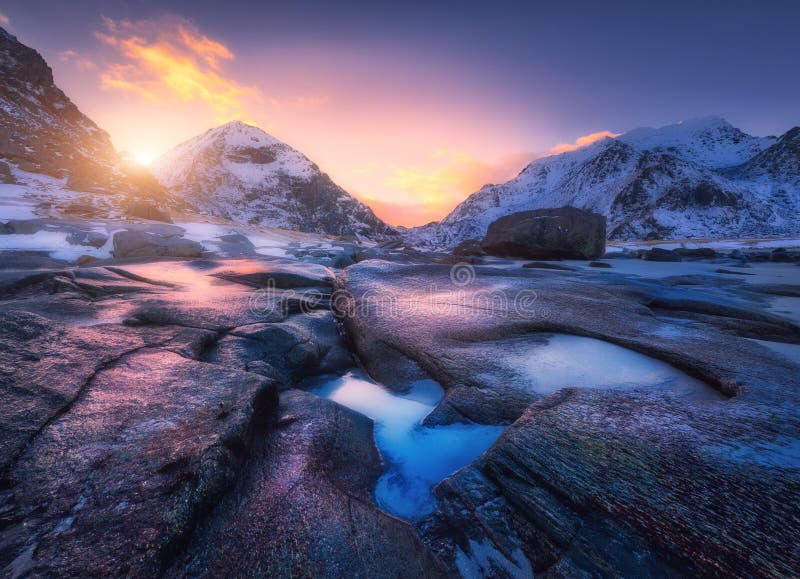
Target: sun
[143,157]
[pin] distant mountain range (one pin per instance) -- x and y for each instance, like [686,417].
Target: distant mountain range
[241,173]
[699,178]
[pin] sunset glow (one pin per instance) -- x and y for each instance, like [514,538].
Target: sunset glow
[406,120]
[143,157]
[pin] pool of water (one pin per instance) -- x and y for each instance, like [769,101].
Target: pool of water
[563,360]
[415,457]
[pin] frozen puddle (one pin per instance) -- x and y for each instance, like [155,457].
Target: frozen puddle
[563,360]
[416,457]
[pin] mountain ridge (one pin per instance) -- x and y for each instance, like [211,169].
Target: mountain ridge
[699,178]
[239,172]
[43,132]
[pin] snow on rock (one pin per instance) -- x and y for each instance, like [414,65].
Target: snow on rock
[239,172]
[699,178]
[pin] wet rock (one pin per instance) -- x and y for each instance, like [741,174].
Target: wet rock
[280,275]
[304,506]
[565,233]
[659,254]
[142,244]
[597,482]
[304,345]
[236,245]
[600,264]
[121,479]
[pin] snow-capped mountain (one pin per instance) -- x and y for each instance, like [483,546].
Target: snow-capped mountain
[239,172]
[43,133]
[699,178]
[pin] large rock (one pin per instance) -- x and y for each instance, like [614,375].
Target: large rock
[304,507]
[590,481]
[143,244]
[565,233]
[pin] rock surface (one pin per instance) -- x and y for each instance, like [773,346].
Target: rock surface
[588,481]
[143,244]
[138,440]
[565,233]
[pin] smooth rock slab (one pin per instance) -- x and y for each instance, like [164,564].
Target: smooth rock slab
[304,506]
[118,481]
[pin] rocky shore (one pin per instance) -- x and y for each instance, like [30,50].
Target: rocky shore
[154,421]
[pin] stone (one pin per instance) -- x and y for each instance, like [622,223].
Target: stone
[85,260]
[600,264]
[697,252]
[469,247]
[547,265]
[658,254]
[24,226]
[780,255]
[564,233]
[280,274]
[90,238]
[142,244]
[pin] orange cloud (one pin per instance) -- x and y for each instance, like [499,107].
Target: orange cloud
[583,141]
[170,61]
[5,21]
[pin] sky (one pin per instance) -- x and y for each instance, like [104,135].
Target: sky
[411,106]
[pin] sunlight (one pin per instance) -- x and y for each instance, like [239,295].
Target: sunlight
[143,157]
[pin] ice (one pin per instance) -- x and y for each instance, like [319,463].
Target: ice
[415,457]
[14,204]
[53,242]
[575,361]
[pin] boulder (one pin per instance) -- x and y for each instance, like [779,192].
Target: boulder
[92,238]
[142,244]
[564,233]
[469,247]
[85,260]
[780,255]
[23,226]
[601,264]
[697,252]
[658,254]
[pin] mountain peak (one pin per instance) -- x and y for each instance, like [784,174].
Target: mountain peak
[239,172]
[710,141]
